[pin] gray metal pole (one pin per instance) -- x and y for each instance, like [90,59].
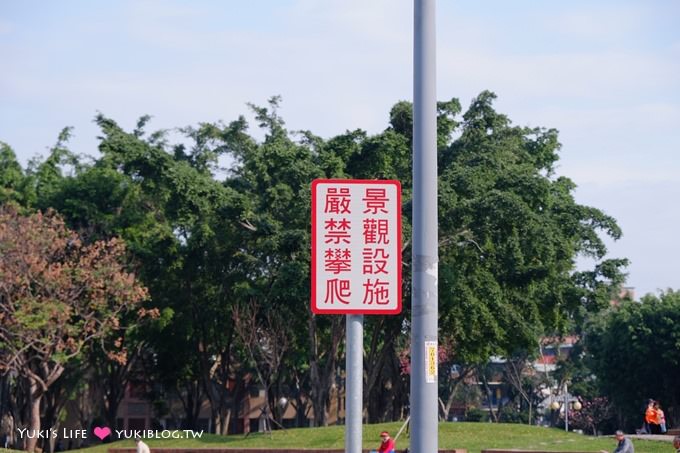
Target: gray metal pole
[354,396]
[424,428]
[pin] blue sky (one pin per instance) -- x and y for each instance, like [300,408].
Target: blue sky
[605,74]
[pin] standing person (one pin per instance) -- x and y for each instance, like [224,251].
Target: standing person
[386,443]
[141,446]
[660,418]
[646,429]
[651,419]
[624,444]
[676,444]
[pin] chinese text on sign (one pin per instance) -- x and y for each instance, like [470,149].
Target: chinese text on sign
[356,246]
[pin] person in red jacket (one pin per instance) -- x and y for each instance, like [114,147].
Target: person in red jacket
[386,443]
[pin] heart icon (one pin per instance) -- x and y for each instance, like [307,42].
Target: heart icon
[102,432]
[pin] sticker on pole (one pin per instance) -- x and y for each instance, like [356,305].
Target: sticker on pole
[356,246]
[431,362]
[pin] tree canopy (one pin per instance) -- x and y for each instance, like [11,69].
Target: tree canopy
[634,350]
[207,243]
[57,297]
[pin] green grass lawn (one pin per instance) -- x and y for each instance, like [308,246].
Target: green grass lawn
[472,436]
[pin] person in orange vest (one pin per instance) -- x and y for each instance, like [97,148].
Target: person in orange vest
[651,419]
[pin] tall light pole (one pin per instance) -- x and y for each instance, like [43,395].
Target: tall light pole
[424,307]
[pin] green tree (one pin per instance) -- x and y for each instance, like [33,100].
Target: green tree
[509,232]
[634,350]
[15,183]
[100,203]
[12,178]
[184,260]
[57,296]
[509,235]
[274,178]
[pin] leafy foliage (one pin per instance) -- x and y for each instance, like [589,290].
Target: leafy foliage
[57,297]
[634,350]
[509,235]
[509,231]
[13,181]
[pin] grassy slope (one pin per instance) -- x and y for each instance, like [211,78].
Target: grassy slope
[471,436]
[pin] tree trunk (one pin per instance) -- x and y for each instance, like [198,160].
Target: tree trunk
[238,395]
[227,421]
[321,376]
[191,401]
[54,400]
[374,366]
[453,386]
[319,405]
[214,380]
[112,399]
[488,392]
[300,405]
[36,395]
[116,381]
